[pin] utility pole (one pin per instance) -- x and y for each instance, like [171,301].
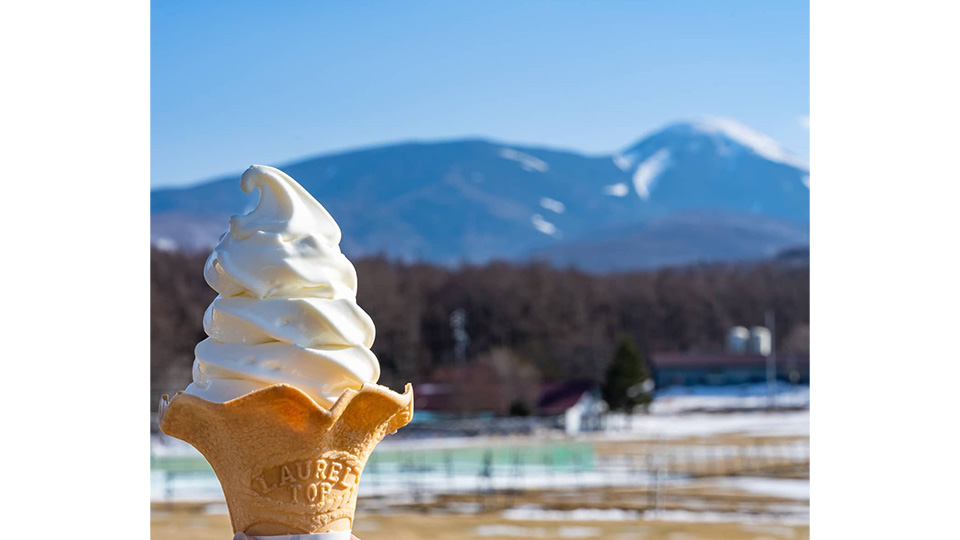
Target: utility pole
[771,324]
[458,323]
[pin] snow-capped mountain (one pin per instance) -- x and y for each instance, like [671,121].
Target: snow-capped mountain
[716,163]
[476,200]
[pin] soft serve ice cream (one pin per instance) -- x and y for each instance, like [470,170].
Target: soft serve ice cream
[286,310]
[283,403]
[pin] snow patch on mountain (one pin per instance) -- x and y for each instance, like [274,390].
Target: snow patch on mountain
[543,225]
[623,163]
[526,161]
[553,205]
[806,181]
[757,142]
[648,171]
[165,244]
[616,190]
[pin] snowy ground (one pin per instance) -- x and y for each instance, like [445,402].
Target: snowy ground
[676,426]
[784,488]
[686,516]
[685,399]
[709,410]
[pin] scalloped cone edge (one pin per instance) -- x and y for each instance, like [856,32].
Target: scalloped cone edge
[286,464]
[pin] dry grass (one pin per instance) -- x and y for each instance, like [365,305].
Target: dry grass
[695,497]
[175,522]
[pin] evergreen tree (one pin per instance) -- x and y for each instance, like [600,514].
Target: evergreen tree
[624,386]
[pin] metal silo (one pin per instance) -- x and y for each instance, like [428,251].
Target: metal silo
[737,338]
[760,341]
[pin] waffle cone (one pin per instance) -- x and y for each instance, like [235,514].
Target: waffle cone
[286,464]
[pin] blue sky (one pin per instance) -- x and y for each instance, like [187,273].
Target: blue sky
[241,82]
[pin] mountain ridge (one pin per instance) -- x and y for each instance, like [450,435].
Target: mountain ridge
[474,199]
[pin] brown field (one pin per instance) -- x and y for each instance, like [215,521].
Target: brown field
[180,521]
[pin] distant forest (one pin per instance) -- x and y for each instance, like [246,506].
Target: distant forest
[558,323]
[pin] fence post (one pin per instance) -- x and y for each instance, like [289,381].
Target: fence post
[651,482]
[548,463]
[518,468]
[661,474]
[168,487]
[486,474]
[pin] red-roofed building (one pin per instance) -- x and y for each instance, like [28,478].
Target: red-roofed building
[578,402]
[467,389]
[475,388]
[557,397]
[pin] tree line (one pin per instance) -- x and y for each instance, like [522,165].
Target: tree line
[558,323]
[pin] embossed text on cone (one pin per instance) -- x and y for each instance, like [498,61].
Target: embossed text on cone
[286,464]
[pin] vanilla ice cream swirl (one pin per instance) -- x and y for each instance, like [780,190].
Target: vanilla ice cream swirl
[286,310]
